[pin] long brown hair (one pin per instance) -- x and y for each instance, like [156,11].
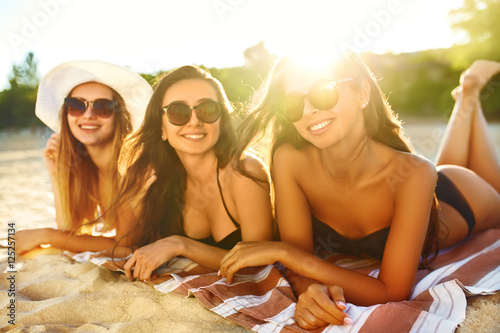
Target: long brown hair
[162,206]
[77,173]
[265,123]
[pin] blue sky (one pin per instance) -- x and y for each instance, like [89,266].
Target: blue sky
[149,35]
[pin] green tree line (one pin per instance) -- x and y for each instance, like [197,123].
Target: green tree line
[417,84]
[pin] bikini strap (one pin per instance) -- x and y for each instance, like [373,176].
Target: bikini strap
[236,224]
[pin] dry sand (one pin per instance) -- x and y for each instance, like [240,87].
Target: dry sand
[56,294]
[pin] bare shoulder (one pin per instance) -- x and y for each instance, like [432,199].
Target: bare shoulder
[421,164]
[289,158]
[410,168]
[286,152]
[248,190]
[253,166]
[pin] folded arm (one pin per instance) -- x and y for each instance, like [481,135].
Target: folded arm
[32,238]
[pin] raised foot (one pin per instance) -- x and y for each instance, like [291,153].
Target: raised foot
[474,78]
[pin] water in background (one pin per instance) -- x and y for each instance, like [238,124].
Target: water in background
[427,135]
[26,195]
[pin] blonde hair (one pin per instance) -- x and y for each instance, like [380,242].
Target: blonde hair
[77,177]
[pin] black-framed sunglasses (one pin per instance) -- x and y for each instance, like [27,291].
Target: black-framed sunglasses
[102,107]
[179,113]
[324,95]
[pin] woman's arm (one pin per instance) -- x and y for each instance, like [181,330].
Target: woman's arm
[31,238]
[147,259]
[293,215]
[292,207]
[413,200]
[253,202]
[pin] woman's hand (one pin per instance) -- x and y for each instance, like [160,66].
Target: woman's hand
[29,239]
[321,305]
[249,254]
[146,259]
[50,154]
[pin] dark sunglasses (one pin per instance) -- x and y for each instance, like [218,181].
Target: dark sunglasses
[179,113]
[323,96]
[103,108]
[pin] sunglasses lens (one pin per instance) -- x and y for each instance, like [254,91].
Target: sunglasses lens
[293,107]
[74,106]
[178,113]
[208,111]
[103,108]
[324,96]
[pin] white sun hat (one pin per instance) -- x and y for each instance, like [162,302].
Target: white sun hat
[58,83]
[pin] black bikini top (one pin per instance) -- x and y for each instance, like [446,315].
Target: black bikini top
[328,241]
[230,240]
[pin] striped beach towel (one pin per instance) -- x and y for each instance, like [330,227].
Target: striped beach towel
[261,299]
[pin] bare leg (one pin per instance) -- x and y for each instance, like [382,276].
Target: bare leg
[467,142]
[467,156]
[454,148]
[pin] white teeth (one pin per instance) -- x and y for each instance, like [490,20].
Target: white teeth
[320,125]
[194,136]
[89,127]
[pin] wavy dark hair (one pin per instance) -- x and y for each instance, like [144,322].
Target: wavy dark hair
[265,122]
[164,201]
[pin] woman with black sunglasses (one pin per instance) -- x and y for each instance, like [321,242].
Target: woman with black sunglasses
[202,197]
[346,181]
[91,106]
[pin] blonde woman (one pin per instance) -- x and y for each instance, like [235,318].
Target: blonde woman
[91,106]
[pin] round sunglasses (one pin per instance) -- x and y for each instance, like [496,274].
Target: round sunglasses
[180,113]
[324,95]
[102,107]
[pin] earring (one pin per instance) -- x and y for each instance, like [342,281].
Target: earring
[363,106]
[163,137]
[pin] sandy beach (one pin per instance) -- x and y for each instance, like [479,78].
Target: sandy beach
[56,294]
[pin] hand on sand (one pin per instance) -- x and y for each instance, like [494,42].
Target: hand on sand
[321,305]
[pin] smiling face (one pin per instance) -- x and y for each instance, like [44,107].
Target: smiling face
[195,137]
[324,128]
[88,128]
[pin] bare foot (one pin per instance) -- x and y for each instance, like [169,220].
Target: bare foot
[474,78]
